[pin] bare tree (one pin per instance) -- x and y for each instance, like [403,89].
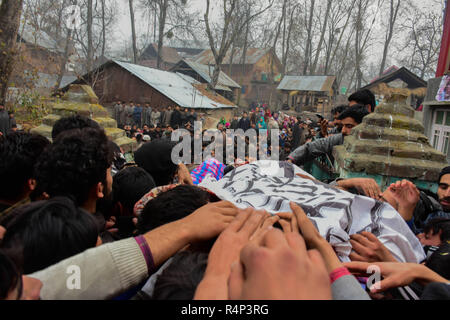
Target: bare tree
[133,31]
[322,37]
[90,46]
[342,9]
[172,19]
[363,33]
[228,35]
[103,28]
[10,12]
[394,10]
[423,40]
[308,50]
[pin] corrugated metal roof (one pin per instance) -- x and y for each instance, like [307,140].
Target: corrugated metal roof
[307,83]
[38,37]
[206,72]
[44,80]
[252,57]
[178,88]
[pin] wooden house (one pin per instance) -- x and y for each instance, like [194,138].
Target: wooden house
[309,93]
[116,80]
[226,86]
[399,78]
[258,75]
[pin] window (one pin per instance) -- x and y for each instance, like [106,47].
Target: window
[441,131]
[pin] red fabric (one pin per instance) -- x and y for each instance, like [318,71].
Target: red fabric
[339,273]
[445,46]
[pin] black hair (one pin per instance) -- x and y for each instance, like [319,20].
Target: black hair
[364,97]
[130,185]
[10,277]
[339,109]
[74,163]
[18,154]
[119,160]
[180,279]
[357,113]
[171,206]
[439,262]
[436,225]
[444,172]
[155,157]
[73,122]
[44,233]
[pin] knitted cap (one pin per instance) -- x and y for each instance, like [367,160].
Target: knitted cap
[444,172]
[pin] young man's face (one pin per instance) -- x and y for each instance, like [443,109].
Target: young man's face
[347,126]
[444,192]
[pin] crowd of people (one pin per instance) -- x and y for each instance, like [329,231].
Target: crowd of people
[149,230]
[147,124]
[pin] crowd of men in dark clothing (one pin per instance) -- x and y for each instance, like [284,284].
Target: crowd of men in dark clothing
[143,230]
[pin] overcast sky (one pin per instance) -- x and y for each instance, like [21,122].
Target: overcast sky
[123,33]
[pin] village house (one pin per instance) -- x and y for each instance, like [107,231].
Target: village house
[226,86]
[170,56]
[39,63]
[116,80]
[309,93]
[399,78]
[258,76]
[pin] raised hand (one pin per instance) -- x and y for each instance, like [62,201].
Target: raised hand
[407,196]
[324,128]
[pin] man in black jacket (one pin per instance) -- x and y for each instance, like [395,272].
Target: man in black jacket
[244,123]
[176,119]
[235,123]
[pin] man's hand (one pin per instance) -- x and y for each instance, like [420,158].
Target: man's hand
[367,248]
[396,274]
[324,128]
[313,238]
[210,220]
[226,251]
[407,196]
[184,176]
[367,186]
[279,268]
